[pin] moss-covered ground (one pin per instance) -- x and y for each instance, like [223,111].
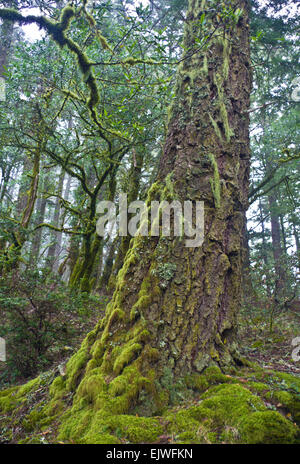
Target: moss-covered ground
[258,403]
[251,405]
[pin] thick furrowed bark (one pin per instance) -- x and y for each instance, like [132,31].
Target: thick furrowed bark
[174,308]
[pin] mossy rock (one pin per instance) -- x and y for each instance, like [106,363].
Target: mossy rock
[226,404]
[267,427]
[227,413]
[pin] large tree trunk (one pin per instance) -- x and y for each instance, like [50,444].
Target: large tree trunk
[174,309]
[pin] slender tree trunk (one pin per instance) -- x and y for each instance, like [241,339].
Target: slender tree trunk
[263,235]
[276,248]
[83,271]
[283,234]
[264,250]
[297,240]
[24,186]
[25,209]
[6,176]
[61,267]
[6,36]
[55,237]
[41,206]
[133,193]
[66,268]
[108,267]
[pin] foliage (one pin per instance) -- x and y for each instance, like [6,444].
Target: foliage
[41,320]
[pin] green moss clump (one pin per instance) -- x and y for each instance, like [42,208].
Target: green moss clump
[127,354]
[28,387]
[106,429]
[197,382]
[226,404]
[7,402]
[258,387]
[12,397]
[235,413]
[211,376]
[75,365]
[92,387]
[288,400]
[287,380]
[139,429]
[32,419]
[214,375]
[185,427]
[279,388]
[267,427]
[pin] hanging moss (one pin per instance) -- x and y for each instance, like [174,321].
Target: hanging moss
[215,182]
[219,83]
[57,31]
[216,128]
[228,131]
[205,65]
[226,56]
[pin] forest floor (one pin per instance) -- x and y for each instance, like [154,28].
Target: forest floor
[271,351]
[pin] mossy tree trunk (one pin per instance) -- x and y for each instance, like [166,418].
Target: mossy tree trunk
[6,36]
[41,207]
[82,274]
[109,264]
[54,248]
[133,191]
[174,308]
[26,197]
